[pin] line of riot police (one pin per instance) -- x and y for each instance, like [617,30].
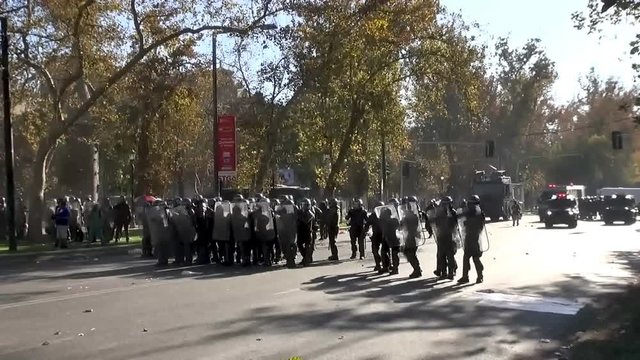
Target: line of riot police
[403,227]
[246,231]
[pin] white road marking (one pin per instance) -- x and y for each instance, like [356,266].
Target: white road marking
[76,296]
[287,292]
[526,303]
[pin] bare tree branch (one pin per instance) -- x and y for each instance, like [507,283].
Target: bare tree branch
[136,25]
[78,70]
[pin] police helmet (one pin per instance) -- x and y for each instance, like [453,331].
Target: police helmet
[474,199]
[446,200]
[305,203]
[238,197]
[275,201]
[333,202]
[263,200]
[394,202]
[357,202]
[378,203]
[413,199]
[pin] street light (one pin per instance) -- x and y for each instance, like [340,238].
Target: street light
[214,100]
[132,158]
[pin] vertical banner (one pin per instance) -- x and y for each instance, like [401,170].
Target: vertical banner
[226,161]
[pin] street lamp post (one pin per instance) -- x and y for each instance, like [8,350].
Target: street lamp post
[132,158]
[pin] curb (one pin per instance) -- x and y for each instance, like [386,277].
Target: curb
[110,250]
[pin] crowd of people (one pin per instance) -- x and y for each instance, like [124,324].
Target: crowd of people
[72,220]
[261,231]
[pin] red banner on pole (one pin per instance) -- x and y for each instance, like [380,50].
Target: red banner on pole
[226,161]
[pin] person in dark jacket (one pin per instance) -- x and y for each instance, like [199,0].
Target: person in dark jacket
[473,225]
[121,219]
[61,218]
[357,219]
[333,221]
[373,223]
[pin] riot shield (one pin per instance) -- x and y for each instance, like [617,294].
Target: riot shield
[389,222]
[222,221]
[180,218]
[410,226]
[263,222]
[444,225]
[470,225]
[286,221]
[158,221]
[240,221]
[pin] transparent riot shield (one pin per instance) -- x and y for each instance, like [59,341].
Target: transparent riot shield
[410,225]
[222,221]
[181,219]
[443,223]
[240,221]
[390,224]
[263,222]
[470,225]
[286,222]
[157,219]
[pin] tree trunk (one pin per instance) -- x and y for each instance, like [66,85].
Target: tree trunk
[345,147]
[36,196]
[266,155]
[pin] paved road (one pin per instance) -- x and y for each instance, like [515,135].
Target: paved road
[535,282]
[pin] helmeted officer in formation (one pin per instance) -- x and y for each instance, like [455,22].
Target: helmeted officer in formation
[286,223]
[373,223]
[446,228]
[204,230]
[411,231]
[357,220]
[305,227]
[473,223]
[391,245]
[333,220]
[265,230]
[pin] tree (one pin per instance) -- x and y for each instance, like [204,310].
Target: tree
[601,12]
[77,51]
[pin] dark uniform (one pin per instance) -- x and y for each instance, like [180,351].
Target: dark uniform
[446,223]
[410,225]
[305,227]
[474,224]
[333,219]
[373,223]
[391,244]
[357,218]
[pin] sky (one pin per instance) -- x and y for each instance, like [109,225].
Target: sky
[574,51]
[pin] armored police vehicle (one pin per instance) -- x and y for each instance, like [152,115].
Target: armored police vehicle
[495,191]
[619,208]
[561,209]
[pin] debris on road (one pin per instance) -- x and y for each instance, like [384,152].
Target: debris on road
[259,339]
[341,337]
[145,330]
[88,311]
[190,273]
[57,333]
[45,343]
[545,341]
[92,329]
[81,334]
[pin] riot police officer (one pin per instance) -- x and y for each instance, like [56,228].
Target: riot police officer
[373,223]
[357,219]
[333,219]
[305,227]
[474,222]
[447,226]
[410,225]
[203,231]
[391,244]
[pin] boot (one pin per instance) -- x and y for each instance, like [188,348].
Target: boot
[415,274]
[463,280]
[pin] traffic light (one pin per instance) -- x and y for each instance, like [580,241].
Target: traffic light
[616,140]
[406,170]
[489,148]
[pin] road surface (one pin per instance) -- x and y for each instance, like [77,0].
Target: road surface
[120,307]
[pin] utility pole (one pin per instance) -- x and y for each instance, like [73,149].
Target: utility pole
[8,137]
[383,182]
[214,105]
